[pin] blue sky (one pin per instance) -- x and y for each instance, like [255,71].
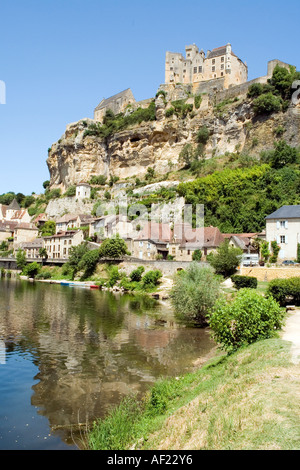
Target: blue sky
[59,58]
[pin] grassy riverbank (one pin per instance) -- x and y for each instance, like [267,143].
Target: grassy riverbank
[247,400]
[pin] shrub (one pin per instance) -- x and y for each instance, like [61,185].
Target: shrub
[267,103]
[203,135]
[249,317]
[197,255]
[71,191]
[244,281]
[151,278]
[194,292]
[197,101]
[285,290]
[98,180]
[136,274]
[32,269]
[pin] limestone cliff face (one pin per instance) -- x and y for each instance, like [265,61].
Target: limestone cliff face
[76,156]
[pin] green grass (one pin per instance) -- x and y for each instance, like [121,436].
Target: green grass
[247,400]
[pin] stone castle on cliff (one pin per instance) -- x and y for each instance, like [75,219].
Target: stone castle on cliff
[219,70]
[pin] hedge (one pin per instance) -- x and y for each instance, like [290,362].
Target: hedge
[241,282]
[285,290]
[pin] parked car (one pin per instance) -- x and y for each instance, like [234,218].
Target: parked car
[288,262]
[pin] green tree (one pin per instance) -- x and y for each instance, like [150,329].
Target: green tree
[88,263]
[197,255]
[275,250]
[32,269]
[283,155]
[226,259]
[113,248]
[194,292]
[48,229]
[264,250]
[21,259]
[75,256]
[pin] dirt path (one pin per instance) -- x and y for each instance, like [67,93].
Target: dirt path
[291,332]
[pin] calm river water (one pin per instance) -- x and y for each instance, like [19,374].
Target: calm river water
[67,354]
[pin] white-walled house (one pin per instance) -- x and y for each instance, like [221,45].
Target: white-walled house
[283,226]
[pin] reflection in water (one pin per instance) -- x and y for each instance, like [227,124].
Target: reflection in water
[90,348]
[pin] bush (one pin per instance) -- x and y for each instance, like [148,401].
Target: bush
[136,274]
[32,269]
[203,135]
[194,292]
[71,191]
[267,103]
[249,317]
[285,290]
[197,255]
[244,281]
[151,278]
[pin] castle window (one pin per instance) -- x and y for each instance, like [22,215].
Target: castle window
[213,69]
[200,68]
[195,69]
[171,68]
[222,59]
[184,71]
[214,61]
[222,66]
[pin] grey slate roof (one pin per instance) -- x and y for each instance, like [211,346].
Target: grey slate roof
[286,212]
[105,102]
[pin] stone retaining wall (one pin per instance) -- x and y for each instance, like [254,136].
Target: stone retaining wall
[268,274]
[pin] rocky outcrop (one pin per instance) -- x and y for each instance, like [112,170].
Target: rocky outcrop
[128,153]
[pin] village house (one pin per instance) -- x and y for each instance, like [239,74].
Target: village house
[32,249]
[73,221]
[7,230]
[40,220]
[83,190]
[108,226]
[24,232]
[283,226]
[58,246]
[14,213]
[206,239]
[152,241]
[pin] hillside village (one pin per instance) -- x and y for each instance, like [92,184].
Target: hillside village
[218,75]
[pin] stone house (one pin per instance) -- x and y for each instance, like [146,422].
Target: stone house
[83,190]
[24,232]
[283,226]
[58,246]
[206,239]
[67,221]
[196,67]
[7,230]
[32,248]
[152,241]
[116,103]
[14,213]
[108,226]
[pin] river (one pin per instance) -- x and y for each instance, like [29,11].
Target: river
[68,354]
